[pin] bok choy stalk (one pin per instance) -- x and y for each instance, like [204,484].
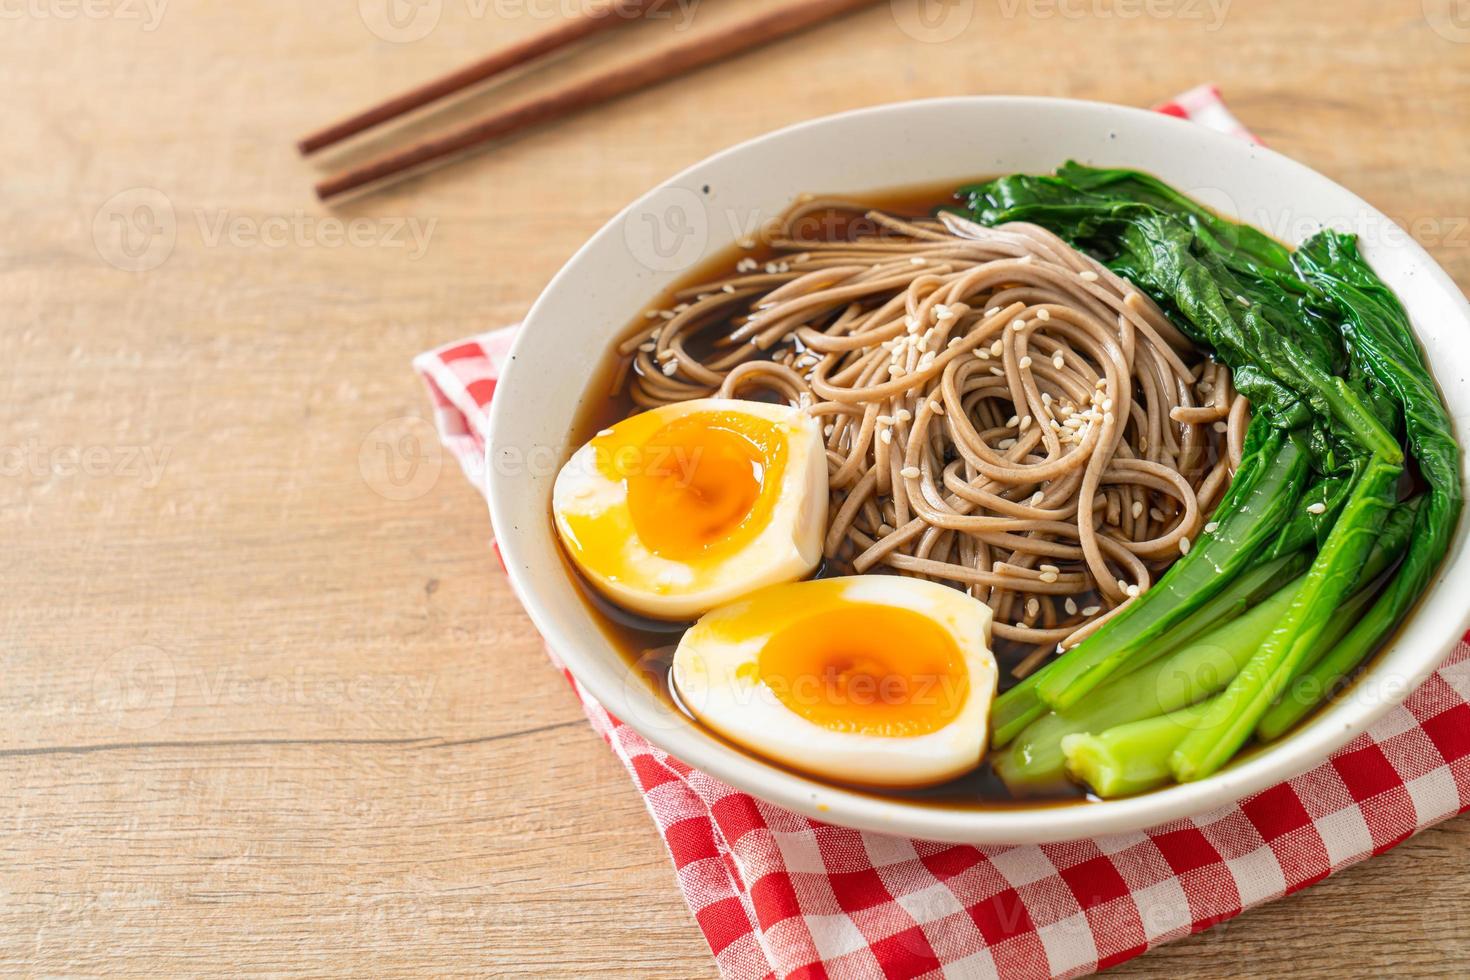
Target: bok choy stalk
[1130,758]
[1136,756]
[1233,716]
[1319,676]
[1204,665]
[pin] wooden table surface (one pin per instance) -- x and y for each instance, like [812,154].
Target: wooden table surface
[268,706]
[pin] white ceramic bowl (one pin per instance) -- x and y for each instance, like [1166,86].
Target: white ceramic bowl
[707,207]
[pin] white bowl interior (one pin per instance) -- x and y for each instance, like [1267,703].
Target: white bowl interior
[661,236]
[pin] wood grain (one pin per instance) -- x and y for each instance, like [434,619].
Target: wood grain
[268,708]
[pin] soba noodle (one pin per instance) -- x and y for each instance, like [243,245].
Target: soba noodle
[1002,412]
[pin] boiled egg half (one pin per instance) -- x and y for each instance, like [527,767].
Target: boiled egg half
[874,679]
[676,510]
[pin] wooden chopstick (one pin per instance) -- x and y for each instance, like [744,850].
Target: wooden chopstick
[697,52]
[602,17]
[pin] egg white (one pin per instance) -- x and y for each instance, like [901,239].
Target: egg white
[715,678]
[787,548]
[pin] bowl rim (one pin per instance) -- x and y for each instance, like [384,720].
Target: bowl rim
[1011,823]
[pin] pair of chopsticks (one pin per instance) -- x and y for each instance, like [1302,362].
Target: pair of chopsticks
[660,66]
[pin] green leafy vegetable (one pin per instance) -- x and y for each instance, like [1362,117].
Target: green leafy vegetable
[1338,389]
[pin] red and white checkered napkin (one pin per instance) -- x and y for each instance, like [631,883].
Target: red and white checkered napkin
[779,895]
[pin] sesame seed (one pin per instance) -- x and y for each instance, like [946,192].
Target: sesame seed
[1050,568]
[650,314]
[1242,300]
[827,430]
[1107,405]
[1071,606]
[1212,527]
[666,314]
[1025,362]
[1026,423]
[943,312]
[904,415]
[997,372]
[1061,649]
[997,348]
[982,353]
[1318,508]
[937,407]
[886,435]
[1058,361]
[1132,591]
[918,260]
[1220,427]
[727,287]
[992,311]
[909,472]
[1137,509]
[1018,325]
[1156,514]
[1032,606]
[1048,577]
[1036,498]
[1184,546]
[1088,276]
[1013,421]
[1005,444]
[1122,585]
[746,265]
[885,420]
[670,367]
[895,369]
[646,347]
[1043,314]
[1092,610]
[605,433]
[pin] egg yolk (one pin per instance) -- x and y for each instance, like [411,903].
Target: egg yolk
[699,484]
[867,668]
